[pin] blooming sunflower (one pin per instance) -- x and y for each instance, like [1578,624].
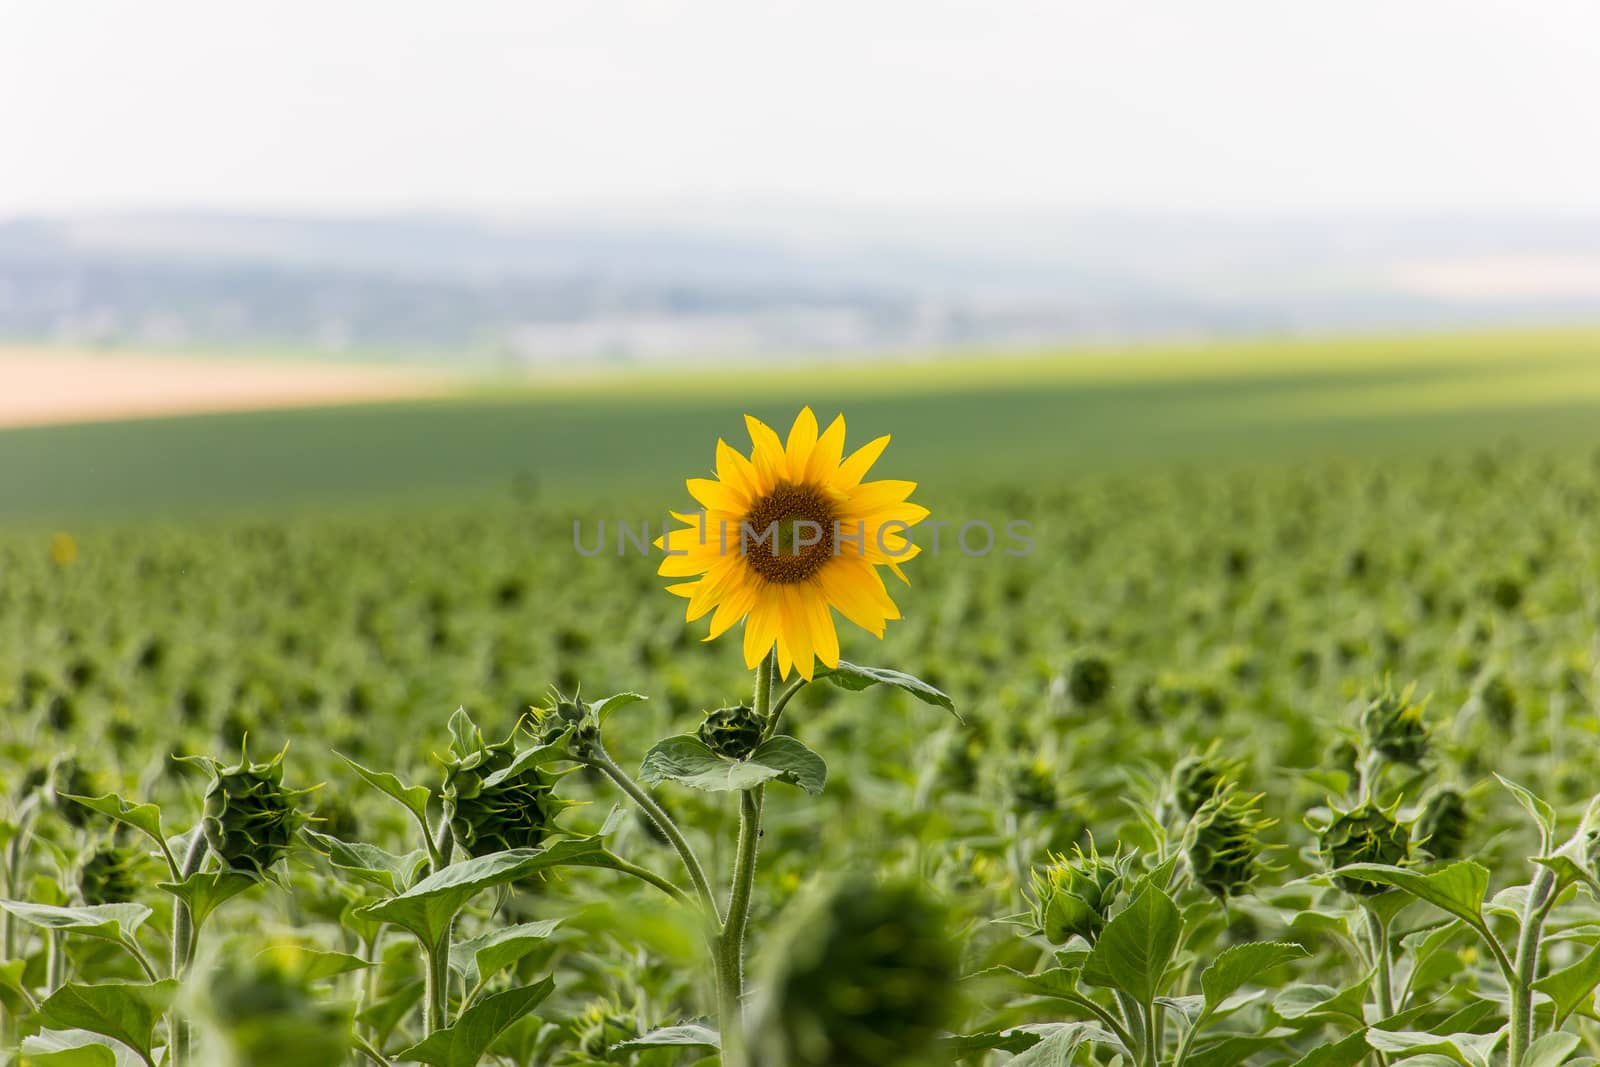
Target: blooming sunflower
[789,535]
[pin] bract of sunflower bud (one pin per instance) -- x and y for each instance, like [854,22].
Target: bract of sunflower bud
[109,875]
[1366,834]
[1072,896]
[567,721]
[261,1010]
[861,975]
[1393,727]
[1223,841]
[732,733]
[498,796]
[1443,823]
[1198,777]
[250,819]
[602,1025]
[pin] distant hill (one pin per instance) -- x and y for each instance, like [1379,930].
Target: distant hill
[767,283]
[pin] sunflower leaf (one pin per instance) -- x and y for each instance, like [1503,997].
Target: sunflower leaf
[855,678]
[689,761]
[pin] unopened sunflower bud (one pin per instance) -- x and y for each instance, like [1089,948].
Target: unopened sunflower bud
[1089,680]
[250,818]
[109,875]
[1393,727]
[1366,835]
[1442,824]
[1073,896]
[1033,787]
[68,777]
[732,733]
[263,1012]
[569,716]
[496,797]
[864,975]
[602,1025]
[1223,842]
[1198,778]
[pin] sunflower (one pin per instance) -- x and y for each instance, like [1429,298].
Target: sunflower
[789,535]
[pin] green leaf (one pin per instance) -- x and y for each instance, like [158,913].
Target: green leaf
[1320,1002]
[1470,1049]
[604,707]
[146,818]
[207,891]
[673,1037]
[76,1048]
[796,764]
[1056,1048]
[855,677]
[1551,1050]
[1457,888]
[482,957]
[1013,1041]
[1542,813]
[414,798]
[1347,1053]
[1134,949]
[1057,982]
[369,863]
[687,760]
[109,922]
[122,1011]
[1237,965]
[1571,986]
[427,908]
[312,965]
[465,1043]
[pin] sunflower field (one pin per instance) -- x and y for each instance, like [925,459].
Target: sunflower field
[1286,762]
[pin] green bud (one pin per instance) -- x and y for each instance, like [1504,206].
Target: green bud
[109,875]
[264,1012]
[1222,841]
[1199,777]
[1033,788]
[863,975]
[1499,704]
[1442,824]
[1366,835]
[497,796]
[250,818]
[569,716]
[732,733]
[602,1025]
[68,777]
[1089,680]
[1393,727]
[1073,897]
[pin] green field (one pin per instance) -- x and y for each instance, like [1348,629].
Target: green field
[1277,751]
[953,419]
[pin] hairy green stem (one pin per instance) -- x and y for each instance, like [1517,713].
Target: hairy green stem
[436,986]
[730,954]
[1378,935]
[663,822]
[370,1051]
[782,702]
[183,937]
[650,877]
[1541,898]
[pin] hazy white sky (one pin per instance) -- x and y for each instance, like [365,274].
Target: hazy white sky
[538,105]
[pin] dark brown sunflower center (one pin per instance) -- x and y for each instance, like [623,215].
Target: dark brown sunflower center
[788,534]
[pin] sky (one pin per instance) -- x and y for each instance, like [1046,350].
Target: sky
[589,106]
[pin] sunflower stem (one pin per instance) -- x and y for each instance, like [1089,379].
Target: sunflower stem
[730,964]
[183,937]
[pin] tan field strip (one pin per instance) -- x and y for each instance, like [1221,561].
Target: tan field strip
[43,386]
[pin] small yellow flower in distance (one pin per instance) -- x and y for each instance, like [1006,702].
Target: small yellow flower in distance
[63,549]
[788,535]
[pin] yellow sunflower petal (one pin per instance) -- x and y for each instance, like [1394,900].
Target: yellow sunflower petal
[852,470]
[824,461]
[766,455]
[824,637]
[716,496]
[734,470]
[802,439]
[871,496]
